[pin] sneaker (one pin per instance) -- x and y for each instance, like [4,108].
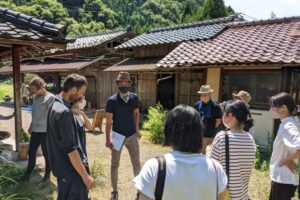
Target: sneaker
[114,195]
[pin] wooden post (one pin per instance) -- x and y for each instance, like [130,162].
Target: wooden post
[17,93]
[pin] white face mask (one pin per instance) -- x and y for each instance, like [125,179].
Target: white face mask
[274,113]
[82,104]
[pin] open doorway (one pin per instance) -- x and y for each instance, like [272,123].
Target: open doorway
[91,94]
[166,90]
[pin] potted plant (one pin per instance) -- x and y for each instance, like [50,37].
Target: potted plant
[24,145]
[7,98]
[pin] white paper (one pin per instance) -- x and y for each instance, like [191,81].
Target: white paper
[117,140]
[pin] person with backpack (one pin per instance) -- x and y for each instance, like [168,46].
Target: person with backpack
[286,148]
[235,148]
[184,173]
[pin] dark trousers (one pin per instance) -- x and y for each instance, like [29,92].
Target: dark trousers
[71,188]
[36,140]
[281,191]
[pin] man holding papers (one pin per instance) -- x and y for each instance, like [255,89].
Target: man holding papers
[122,128]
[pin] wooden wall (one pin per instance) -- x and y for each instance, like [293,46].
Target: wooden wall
[154,50]
[187,85]
[146,89]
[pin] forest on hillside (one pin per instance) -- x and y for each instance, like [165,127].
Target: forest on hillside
[91,16]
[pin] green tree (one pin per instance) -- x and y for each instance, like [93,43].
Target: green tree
[214,9]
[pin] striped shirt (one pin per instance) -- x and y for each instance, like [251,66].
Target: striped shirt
[242,150]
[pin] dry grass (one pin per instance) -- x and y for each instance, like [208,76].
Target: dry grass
[259,182]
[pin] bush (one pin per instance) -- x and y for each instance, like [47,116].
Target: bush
[25,137]
[9,172]
[155,124]
[98,172]
[262,159]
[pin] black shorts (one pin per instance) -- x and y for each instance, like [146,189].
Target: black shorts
[71,188]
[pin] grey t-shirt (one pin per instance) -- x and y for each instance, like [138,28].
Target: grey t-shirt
[40,107]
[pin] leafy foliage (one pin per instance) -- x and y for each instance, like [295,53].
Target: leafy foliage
[155,124]
[91,16]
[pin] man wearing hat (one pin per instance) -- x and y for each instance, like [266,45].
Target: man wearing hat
[210,113]
[122,117]
[242,95]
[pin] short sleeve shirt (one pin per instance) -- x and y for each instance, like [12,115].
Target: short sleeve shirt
[62,138]
[188,176]
[242,150]
[210,123]
[123,113]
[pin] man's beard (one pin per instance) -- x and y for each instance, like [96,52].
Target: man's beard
[75,99]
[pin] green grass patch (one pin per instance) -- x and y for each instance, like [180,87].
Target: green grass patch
[6,89]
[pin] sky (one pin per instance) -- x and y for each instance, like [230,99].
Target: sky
[261,9]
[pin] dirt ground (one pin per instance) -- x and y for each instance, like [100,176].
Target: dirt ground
[97,152]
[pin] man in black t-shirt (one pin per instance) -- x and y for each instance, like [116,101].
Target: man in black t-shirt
[67,159]
[211,115]
[122,117]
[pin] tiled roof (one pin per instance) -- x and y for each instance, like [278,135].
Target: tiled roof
[135,64]
[16,25]
[50,65]
[94,40]
[269,41]
[179,33]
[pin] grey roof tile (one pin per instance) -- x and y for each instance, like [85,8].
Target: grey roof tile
[179,33]
[97,39]
[16,25]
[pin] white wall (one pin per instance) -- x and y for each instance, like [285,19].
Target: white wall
[263,125]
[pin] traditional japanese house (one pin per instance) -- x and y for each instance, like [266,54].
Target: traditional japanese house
[169,86]
[261,57]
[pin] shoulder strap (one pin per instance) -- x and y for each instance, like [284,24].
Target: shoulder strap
[160,182]
[227,155]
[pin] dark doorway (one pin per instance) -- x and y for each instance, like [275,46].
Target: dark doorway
[166,90]
[91,95]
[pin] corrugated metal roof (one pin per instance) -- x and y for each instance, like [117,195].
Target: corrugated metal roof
[135,64]
[50,65]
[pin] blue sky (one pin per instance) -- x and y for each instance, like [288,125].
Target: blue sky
[261,9]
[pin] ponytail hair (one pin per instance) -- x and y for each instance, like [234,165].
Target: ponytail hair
[240,111]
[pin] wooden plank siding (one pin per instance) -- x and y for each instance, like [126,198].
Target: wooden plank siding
[154,50]
[188,84]
[146,89]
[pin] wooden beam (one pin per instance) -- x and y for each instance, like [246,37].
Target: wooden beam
[30,43]
[17,93]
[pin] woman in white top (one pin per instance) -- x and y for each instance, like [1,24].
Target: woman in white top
[286,148]
[241,145]
[189,174]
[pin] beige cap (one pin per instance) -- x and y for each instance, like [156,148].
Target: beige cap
[204,89]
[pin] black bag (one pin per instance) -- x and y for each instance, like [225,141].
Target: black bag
[160,182]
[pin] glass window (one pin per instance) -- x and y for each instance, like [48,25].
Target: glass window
[261,85]
[295,86]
